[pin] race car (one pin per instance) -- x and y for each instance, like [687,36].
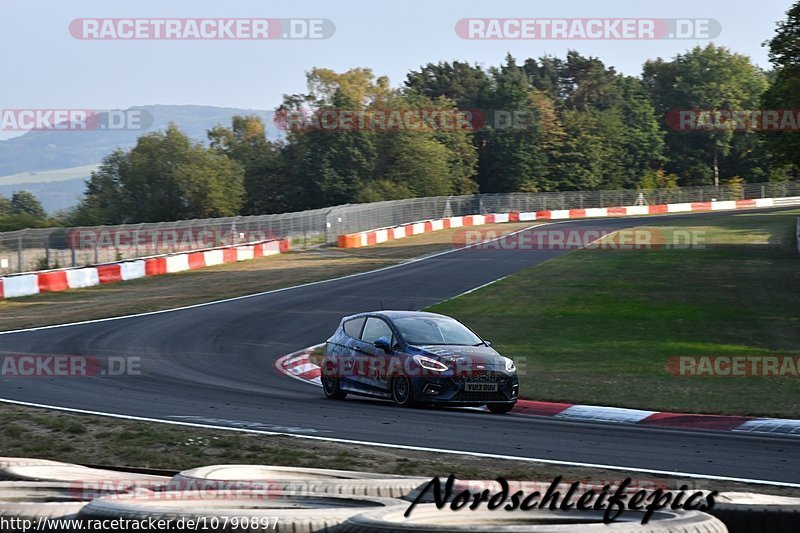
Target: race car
[414,358]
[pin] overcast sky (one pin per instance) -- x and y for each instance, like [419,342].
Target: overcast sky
[44,66]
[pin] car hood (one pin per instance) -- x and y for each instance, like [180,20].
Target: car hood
[467,357]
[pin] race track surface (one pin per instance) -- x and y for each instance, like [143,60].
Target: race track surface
[214,364]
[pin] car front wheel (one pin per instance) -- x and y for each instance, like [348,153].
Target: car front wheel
[402,392]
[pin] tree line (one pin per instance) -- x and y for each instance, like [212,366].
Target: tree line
[578,125]
[23,210]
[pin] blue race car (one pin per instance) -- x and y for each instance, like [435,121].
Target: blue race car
[417,358]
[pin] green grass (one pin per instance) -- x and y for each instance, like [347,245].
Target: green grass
[30,432]
[598,326]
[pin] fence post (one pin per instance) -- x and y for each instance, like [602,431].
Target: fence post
[797,234]
[20,255]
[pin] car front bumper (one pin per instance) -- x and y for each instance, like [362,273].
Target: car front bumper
[452,389]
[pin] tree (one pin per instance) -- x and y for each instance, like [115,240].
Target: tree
[359,162]
[711,78]
[25,203]
[545,76]
[586,83]
[514,149]
[784,90]
[5,207]
[640,143]
[246,142]
[464,84]
[166,176]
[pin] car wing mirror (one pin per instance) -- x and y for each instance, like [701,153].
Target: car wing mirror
[384,344]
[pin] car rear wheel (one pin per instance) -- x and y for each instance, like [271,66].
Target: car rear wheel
[330,382]
[402,392]
[500,408]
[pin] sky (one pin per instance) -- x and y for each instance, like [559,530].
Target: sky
[43,66]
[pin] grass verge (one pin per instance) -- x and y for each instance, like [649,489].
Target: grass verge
[598,326]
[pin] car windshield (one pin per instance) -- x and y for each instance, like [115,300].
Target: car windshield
[435,330]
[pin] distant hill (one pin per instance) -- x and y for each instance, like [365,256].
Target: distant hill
[54,195]
[50,150]
[54,164]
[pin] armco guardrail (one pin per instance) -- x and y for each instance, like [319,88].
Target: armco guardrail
[38,249]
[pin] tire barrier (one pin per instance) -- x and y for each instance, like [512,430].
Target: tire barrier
[744,512]
[429,519]
[255,497]
[35,500]
[295,480]
[259,511]
[66,473]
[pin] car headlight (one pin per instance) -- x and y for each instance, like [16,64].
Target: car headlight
[430,364]
[510,366]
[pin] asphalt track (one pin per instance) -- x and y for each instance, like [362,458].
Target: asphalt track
[212,364]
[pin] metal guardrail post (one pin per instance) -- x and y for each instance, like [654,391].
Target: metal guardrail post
[797,235]
[20,255]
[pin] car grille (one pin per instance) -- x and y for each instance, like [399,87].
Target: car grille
[487,376]
[480,397]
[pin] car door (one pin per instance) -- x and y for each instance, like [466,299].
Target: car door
[375,328]
[347,364]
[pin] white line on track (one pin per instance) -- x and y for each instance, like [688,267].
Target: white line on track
[414,448]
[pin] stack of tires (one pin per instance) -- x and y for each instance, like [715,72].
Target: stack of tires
[252,498]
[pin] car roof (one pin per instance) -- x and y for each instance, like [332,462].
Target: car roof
[390,314]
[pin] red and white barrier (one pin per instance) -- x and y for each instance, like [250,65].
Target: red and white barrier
[24,285]
[132,270]
[77,278]
[301,365]
[367,238]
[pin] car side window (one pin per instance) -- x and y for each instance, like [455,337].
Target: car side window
[352,328]
[374,329]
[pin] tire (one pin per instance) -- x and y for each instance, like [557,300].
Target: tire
[75,473]
[427,518]
[403,391]
[744,512]
[31,500]
[35,510]
[330,384]
[16,461]
[294,480]
[425,492]
[296,513]
[60,492]
[500,408]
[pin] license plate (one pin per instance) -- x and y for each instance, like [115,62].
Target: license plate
[480,387]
